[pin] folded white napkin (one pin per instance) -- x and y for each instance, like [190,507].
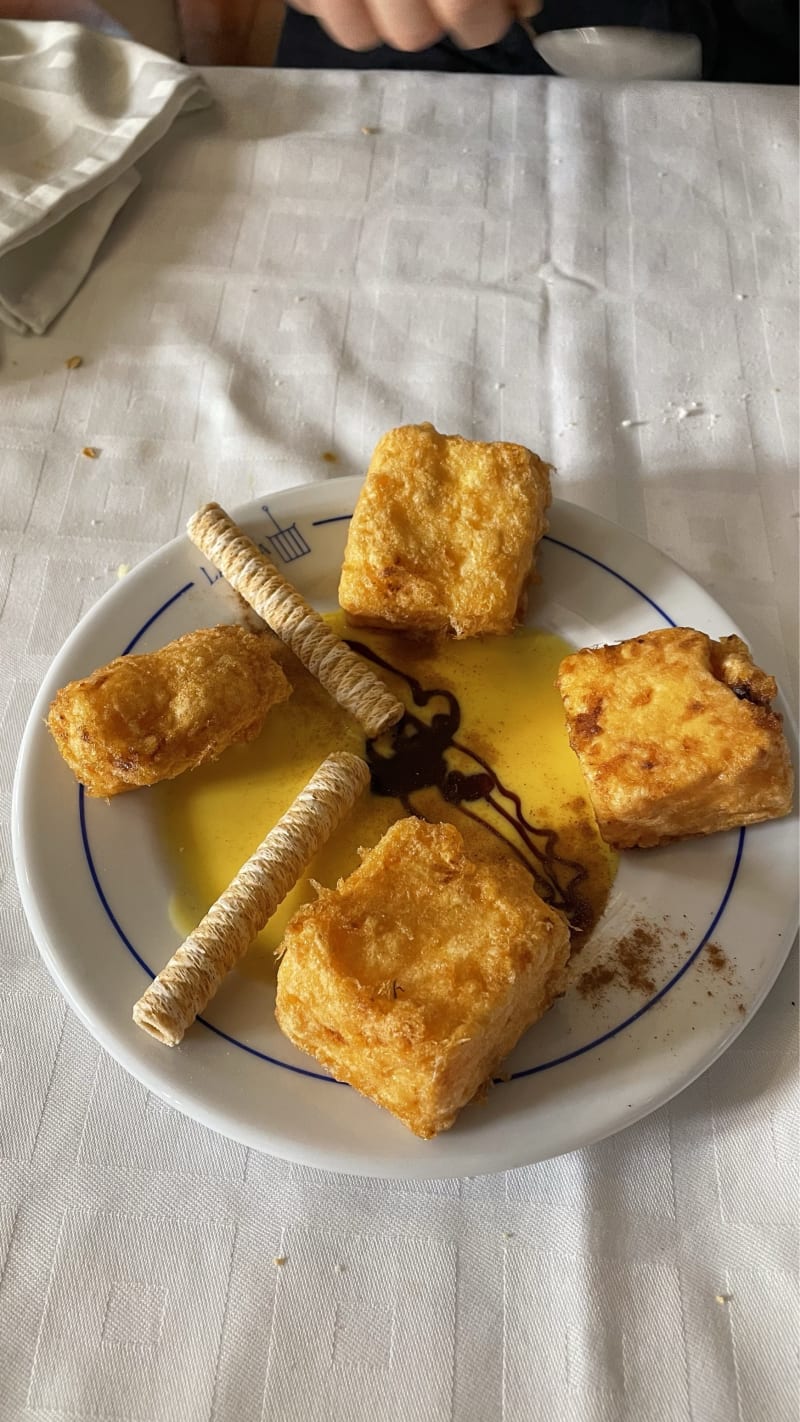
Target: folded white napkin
[76,111]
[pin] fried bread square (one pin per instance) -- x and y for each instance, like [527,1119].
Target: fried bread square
[417,974]
[142,719]
[676,736]
[443,535]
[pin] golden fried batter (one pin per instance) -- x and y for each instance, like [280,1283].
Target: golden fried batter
[148,718]
[443,534]
[676,736]
[416,975]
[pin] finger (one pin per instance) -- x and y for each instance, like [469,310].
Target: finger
[409,26]
[475,23]
[348,22]
[526,11]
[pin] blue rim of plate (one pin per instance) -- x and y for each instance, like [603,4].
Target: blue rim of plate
[514,1076]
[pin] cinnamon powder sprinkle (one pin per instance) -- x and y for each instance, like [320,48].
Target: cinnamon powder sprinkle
[636,952]
[716,957]
[636,963]
[715,960]
[629,965]
[595,978]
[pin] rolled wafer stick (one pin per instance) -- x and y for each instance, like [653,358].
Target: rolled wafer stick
[344,674]
[193,974]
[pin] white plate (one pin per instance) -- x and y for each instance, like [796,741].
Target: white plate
[96,891]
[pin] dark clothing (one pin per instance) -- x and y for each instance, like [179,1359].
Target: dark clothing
[304,44]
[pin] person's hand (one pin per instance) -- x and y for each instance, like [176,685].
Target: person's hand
[416,24]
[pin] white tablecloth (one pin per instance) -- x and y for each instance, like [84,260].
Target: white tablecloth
[533,260]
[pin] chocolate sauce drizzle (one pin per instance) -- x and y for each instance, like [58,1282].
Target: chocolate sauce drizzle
[413,756]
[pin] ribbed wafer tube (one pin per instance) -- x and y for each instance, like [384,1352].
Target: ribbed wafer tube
[344,674]
[192,976]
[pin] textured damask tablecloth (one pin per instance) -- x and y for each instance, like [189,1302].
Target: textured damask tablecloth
[572,267]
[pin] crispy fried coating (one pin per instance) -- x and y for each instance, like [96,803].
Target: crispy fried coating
[676,736]
[147,718]
[416,975]
[443,535]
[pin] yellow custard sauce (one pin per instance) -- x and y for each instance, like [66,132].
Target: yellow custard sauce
[483,745]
